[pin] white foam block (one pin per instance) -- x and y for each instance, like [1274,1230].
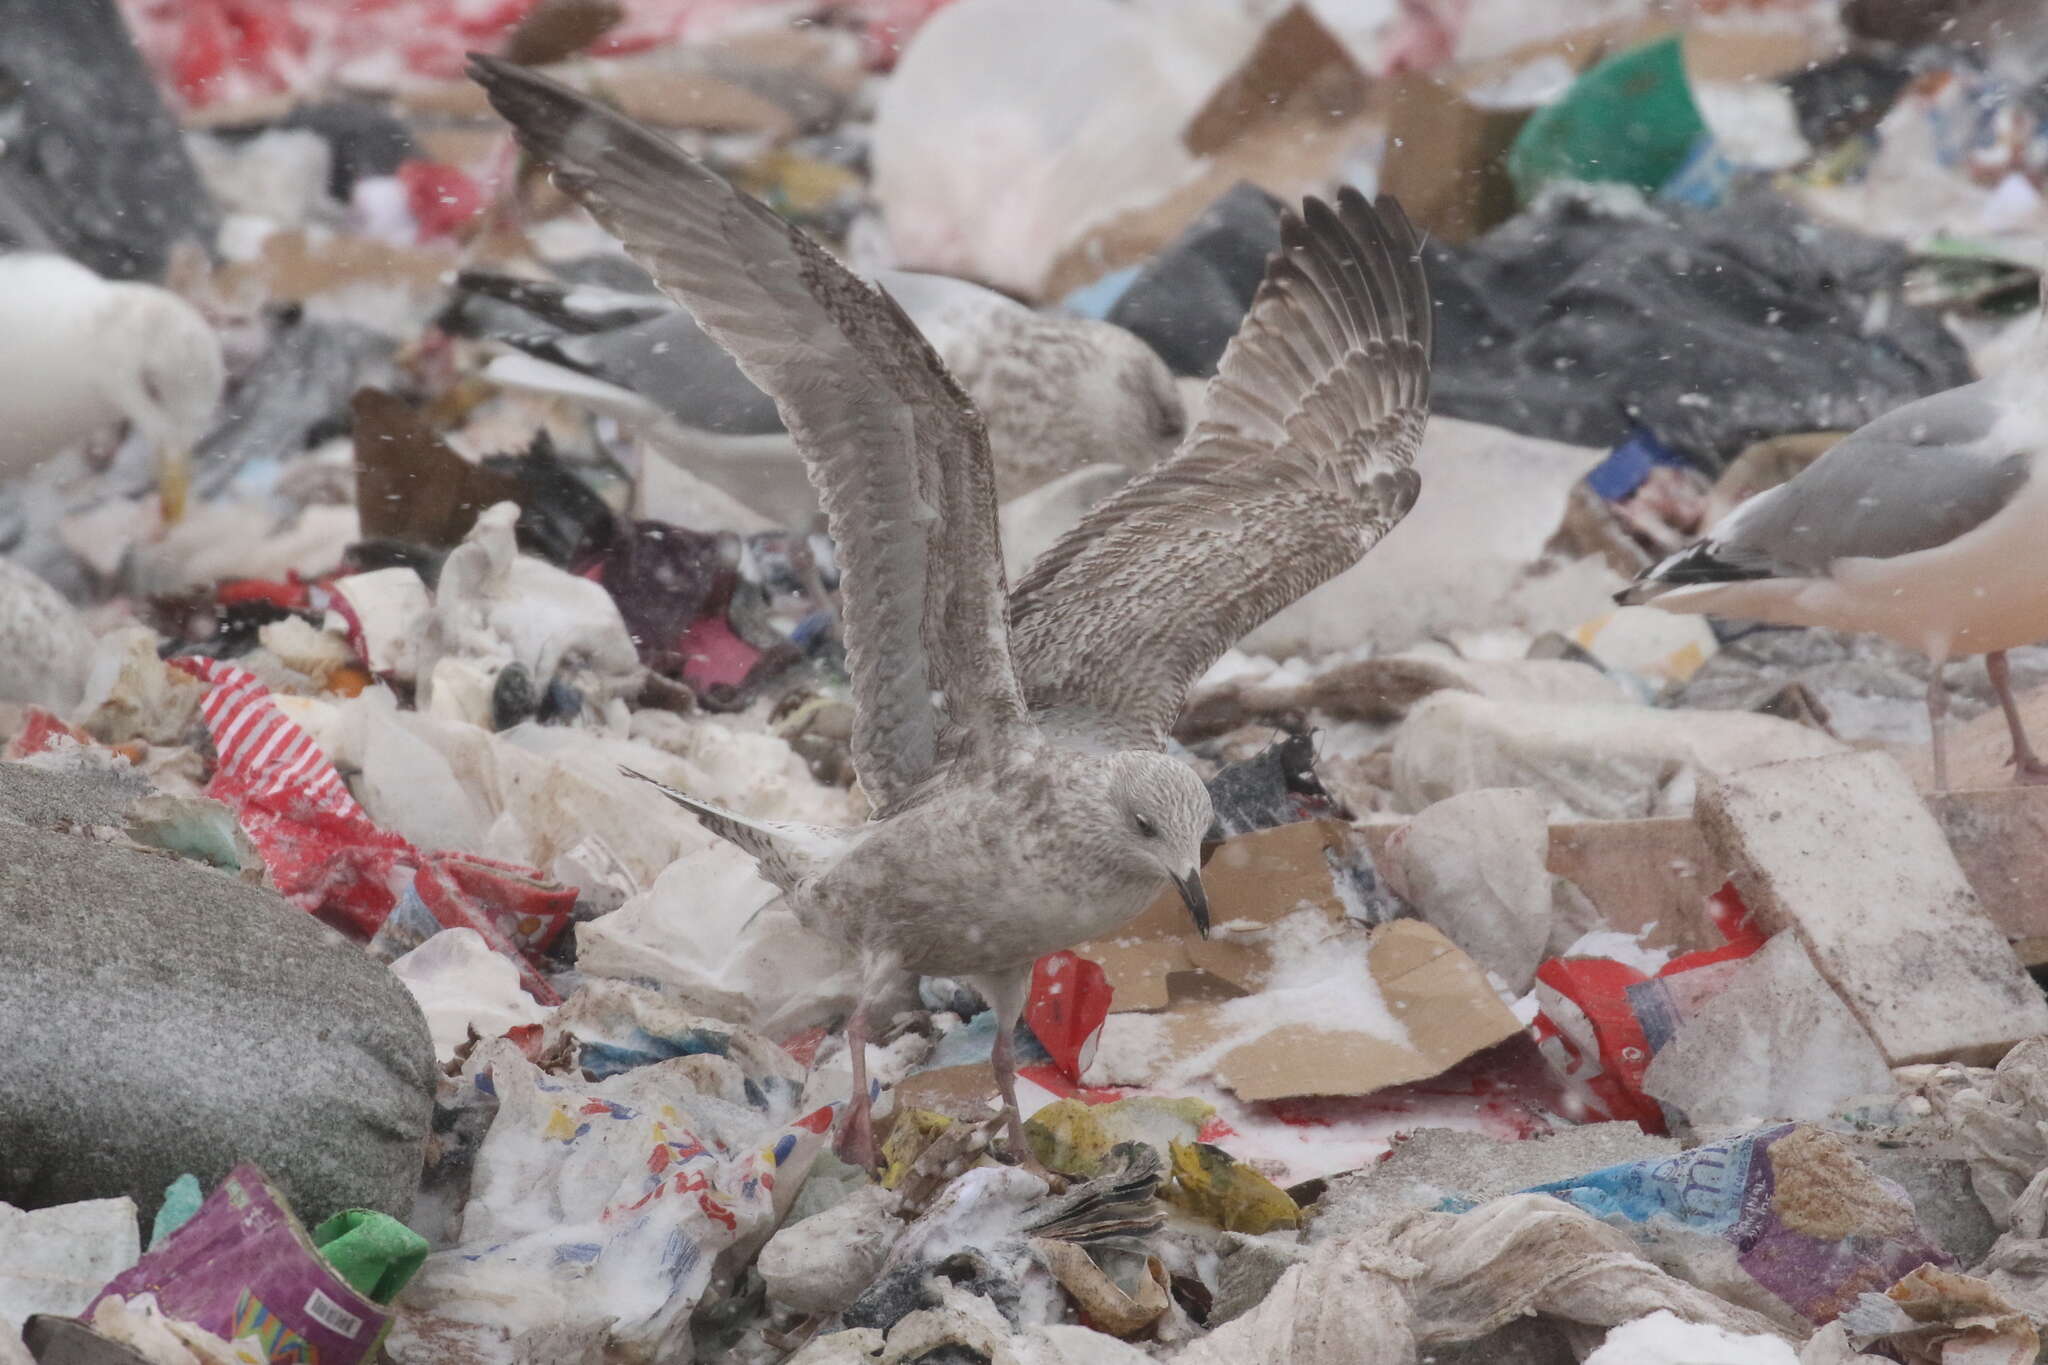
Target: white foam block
[1841,851]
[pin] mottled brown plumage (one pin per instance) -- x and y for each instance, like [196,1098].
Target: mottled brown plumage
[1021,801]
[1303,461]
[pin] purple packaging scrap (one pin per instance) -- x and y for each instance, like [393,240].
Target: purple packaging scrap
[243,1266]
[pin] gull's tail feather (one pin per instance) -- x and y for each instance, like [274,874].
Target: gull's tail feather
[544,346]
[787,852]
[542,298]
[1700,565]
[575,309]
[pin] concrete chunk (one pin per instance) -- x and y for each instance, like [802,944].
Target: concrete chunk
[1840,851]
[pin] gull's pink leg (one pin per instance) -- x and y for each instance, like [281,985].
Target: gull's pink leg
[856,1142]
[1005,995]
[2028,768]
[1004,1062]
[1937,708]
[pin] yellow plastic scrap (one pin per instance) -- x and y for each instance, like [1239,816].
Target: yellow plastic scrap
[1213,1185]
[912,1132]
[1075,1139]
[798,184]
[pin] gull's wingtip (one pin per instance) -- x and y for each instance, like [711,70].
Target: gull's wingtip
[484,69]
[532,103]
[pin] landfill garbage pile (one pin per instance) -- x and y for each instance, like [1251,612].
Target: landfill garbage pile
[1560,981]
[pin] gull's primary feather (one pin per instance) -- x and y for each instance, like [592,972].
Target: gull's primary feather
[898,454]
[1304,460]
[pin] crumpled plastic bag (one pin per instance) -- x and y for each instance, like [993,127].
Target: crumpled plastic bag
[1939,1317]
[130,693]
[494,604]
[54,1260]
[2001,1117]
[1432,1279]
[1473,866]
[462,985]
[711,930]
[1775,1041]
[1603,1022]
[1012,127]
[601,1211]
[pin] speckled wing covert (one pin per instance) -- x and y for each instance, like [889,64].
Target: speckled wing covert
[897,452]
[1304,461]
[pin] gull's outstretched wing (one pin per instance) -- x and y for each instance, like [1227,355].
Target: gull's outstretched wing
[898,454]
[1304,460]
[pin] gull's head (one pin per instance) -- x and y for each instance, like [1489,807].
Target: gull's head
[1160,810]
[162,367]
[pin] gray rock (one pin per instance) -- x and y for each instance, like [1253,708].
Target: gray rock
[79,798]
[1435,1164]
[163,1017]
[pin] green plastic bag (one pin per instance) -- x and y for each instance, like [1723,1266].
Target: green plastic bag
[1630,119]
[373,1251]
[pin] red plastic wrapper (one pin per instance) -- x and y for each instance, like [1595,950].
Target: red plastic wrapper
[221,51]
[1068,1003]
[39,733]
[292,594]
[442,199]
[327,856]
[1602,1021]
[713,655]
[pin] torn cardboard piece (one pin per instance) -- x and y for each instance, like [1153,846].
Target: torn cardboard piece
[1285,119]
[776,83]
[295,267]
[1254,881]
[410,484]
[2000,836]
[1652,877]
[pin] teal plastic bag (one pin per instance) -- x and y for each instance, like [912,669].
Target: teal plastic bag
[1630,119]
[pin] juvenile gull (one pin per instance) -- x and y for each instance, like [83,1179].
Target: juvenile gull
[1928,526]
[1057,393]
[1010,744]
[79,354]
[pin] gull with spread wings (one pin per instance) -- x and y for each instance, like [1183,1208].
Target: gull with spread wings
[1010,743]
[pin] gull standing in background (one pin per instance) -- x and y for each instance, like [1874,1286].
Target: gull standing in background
[79,353]
[1057,393]
[1929,526]
[1010,744]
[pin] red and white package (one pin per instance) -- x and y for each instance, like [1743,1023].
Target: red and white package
[328,857]
[1602,1021]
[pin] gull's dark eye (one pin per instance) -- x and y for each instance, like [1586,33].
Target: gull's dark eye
[1146,828]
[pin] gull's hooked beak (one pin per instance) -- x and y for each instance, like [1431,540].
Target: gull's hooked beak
[174,483]
[1196,900]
